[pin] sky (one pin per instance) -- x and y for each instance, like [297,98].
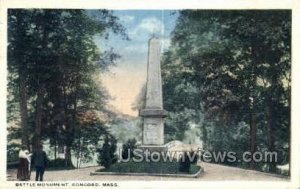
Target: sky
[124,81]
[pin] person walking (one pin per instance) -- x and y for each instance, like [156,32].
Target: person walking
[40,160]
[23,169]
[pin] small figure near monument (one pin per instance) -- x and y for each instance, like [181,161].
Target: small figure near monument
[23,169]
[40,161]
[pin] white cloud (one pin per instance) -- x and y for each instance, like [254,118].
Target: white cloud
[152,25]
[148,26]
[127,19]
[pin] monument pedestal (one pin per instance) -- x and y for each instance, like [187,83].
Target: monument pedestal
[153,130]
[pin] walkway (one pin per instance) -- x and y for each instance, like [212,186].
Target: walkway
[211,172]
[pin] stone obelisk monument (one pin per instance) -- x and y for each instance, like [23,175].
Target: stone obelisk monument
[153,114]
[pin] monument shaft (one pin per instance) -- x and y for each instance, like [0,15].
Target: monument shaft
[154,88]
[153,129]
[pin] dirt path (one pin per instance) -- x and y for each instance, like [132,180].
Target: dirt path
[211,172]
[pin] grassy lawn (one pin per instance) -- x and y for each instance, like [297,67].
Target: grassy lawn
[149,167]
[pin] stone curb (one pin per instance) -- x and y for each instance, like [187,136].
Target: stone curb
[196,175]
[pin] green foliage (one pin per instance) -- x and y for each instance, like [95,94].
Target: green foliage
[128,147]
[86,139]
[106,154]
[231,71]
[52,63]
[125,127]
[12,153]
[177,123]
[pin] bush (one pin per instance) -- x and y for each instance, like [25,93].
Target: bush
[160,167]
[12,152]
[129,146]
[106,154]
[186,160]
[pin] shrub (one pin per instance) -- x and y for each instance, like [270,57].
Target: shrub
[186,160]
[106,154]
[129,146]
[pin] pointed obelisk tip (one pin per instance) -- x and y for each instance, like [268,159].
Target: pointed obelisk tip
[154,35]
[154,39]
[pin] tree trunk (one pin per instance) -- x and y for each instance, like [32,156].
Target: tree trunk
[290,133]
[271,116]
[68,130]
[68,157]
[24,111]
[253,105]
[22,80]
[55,146]
[253,130]
[40,85]
[270,126]
[204,137]
[38,118]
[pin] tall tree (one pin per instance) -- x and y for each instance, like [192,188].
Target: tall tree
[236,65]
[15,56]
[54,57]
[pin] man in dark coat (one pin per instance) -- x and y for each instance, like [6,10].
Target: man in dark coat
[40,160]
